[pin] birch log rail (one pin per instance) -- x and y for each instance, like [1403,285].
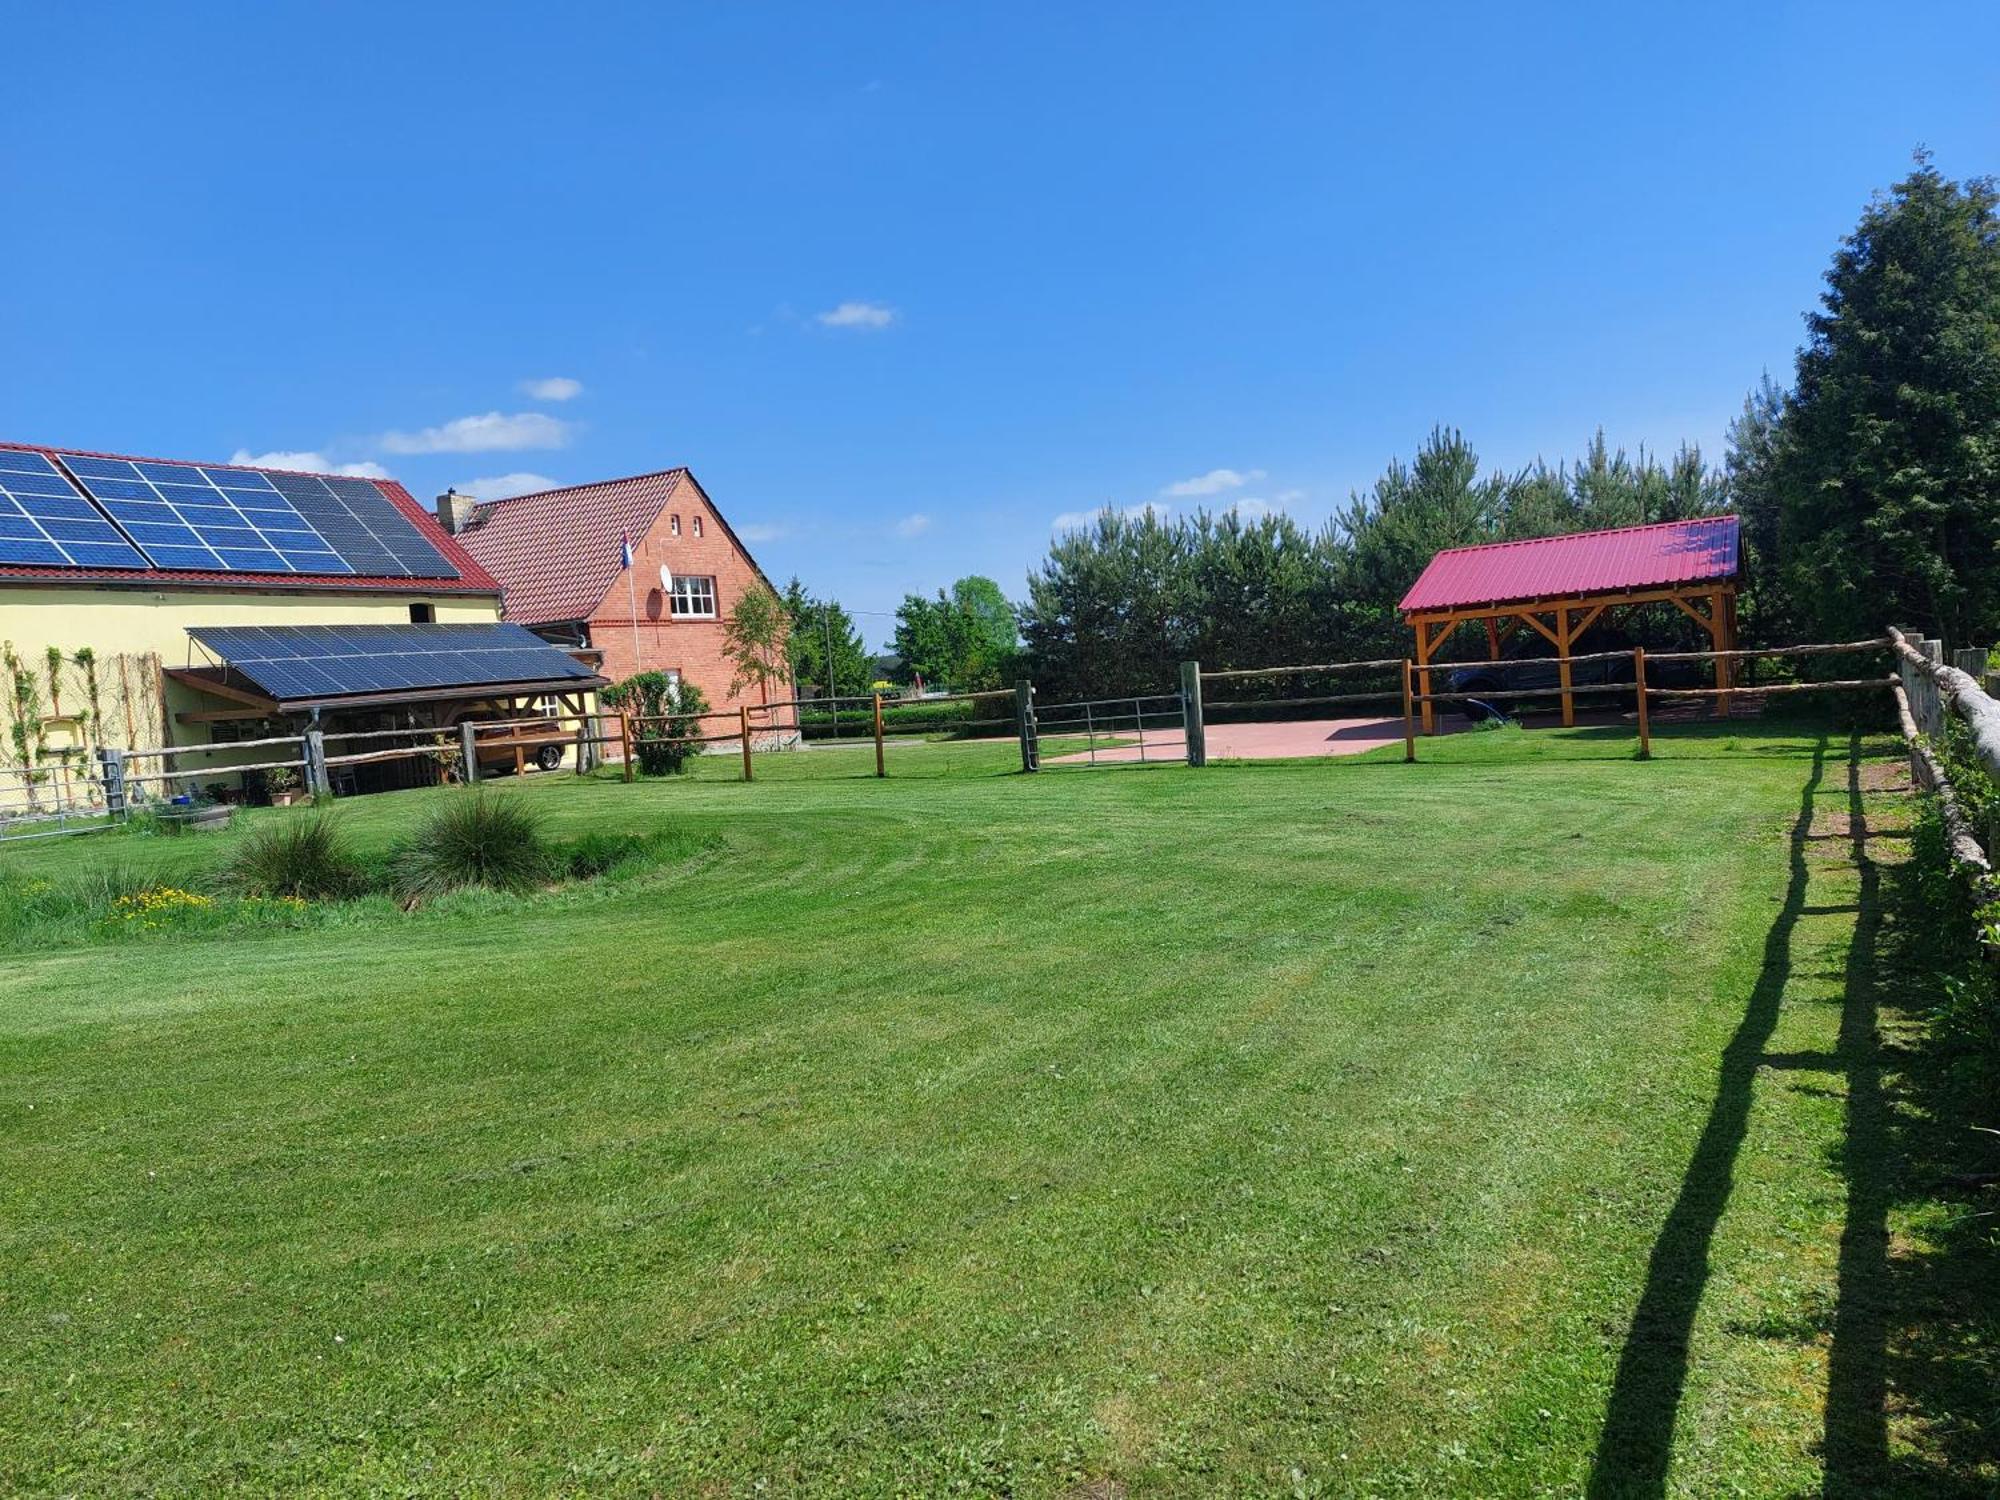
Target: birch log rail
[1979,713]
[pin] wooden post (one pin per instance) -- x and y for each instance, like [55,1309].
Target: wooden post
[468,753]
[112,761]
[582,743]
[1563,644]
[743,718]
[1409,718]
[1194,727]
[1720,634]
[1024,722]
[1492,638]
[1424,675]
[1932,721]
[625,740]
[1639,680]
[880,769]
[315,759]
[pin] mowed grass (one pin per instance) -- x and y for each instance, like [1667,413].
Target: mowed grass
[1274,1129]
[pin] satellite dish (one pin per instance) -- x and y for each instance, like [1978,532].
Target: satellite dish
[666,579]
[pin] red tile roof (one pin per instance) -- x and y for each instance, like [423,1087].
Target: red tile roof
[1587,562]
[472,578]
[557,552]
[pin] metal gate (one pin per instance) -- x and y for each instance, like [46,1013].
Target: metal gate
[1150,729]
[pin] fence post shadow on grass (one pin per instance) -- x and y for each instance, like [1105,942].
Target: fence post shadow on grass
[1636,1442]
[1635,1446]
[1856,1450]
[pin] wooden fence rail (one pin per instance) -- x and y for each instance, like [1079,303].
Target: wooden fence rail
[1959,690]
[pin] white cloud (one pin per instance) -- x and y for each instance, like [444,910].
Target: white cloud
[763,531]
[1214,482]
[306,461]
[856,315]
[913,525]
[553,388]
[1078,520]
[1252,507]
[492,432]
[506,486]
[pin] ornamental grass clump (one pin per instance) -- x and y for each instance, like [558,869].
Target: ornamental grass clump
[304,857]
[494,842]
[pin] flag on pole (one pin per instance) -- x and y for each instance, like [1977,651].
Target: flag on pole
[625,549]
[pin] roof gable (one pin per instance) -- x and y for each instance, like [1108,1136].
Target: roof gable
[1661,555]
[557,553]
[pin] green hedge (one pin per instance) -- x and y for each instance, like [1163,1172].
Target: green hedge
[911,718]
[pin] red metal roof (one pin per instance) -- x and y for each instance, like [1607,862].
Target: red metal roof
[557,552]
[472,578]
[1662,555]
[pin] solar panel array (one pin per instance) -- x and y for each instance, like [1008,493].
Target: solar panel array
[203,519]
[184,518]
[44,522]
[292,662]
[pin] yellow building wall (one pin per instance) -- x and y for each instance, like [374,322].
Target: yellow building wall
[114,620]
[138,624]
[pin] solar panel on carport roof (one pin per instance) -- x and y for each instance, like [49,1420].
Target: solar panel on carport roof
[313,661]
[44,522]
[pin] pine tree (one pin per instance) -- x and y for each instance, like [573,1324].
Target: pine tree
[1887,463]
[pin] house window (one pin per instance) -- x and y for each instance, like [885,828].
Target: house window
[694,598]
[422,614]
[697,525]
[673,525]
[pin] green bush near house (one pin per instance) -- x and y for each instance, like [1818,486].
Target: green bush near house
[668,714]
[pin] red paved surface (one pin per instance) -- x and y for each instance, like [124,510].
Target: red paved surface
[1268,741]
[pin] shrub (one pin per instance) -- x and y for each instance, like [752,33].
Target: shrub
[302,856]
[480,840]
[668,731]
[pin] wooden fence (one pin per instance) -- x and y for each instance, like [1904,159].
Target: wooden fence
[1413,701]
[1927,689]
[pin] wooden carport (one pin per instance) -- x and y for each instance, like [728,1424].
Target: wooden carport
[1561,586]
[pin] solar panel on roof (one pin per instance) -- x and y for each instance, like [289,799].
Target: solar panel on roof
[325,661]
[182,518]
[45,523]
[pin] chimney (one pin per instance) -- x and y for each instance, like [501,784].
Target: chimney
[454,511]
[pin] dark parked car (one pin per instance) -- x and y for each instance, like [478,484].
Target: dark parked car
[1535,673]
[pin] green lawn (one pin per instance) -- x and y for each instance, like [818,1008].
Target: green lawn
[1512,1123]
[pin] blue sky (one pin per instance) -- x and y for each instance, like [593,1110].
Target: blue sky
[904,285]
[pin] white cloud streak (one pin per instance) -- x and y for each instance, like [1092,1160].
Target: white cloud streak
[856,315]
[1214,482]
[307,461]
[1253,507]
[763,531]
[506,486]
[552,388]
[491,432]
[1079,520]
[913,525]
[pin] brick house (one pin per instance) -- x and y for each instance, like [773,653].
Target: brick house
[558,558]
